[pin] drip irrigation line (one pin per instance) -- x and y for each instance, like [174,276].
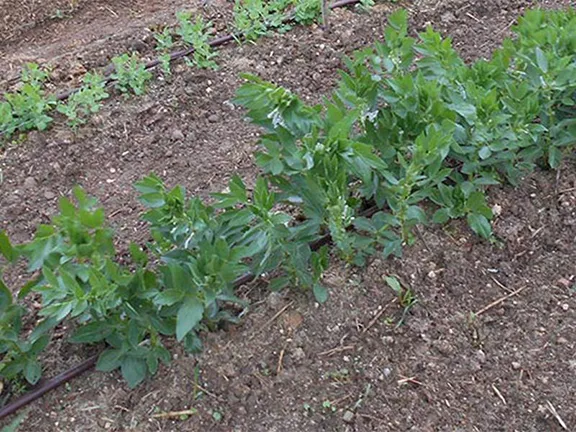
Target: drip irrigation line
[44,388]
[89,363]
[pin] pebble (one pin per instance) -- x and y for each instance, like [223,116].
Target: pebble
[30,183]
[348,416]
[516,365]
[299,354]
[562,341]
[177,135]
[386,371]
[49,195]
[214,118]
[387,340]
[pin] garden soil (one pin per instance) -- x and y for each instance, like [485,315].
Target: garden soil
[291,364]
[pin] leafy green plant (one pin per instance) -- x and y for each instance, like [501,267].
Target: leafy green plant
[406,297]
[130,74]
[256,18]
[307,11]
[27,108]
[86,101]
[196,35]
[164,43]
[411,131]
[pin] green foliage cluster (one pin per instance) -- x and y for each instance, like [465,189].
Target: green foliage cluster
[190,34]
[411,128]
[257,18]
[85,101]
[130,74]
[27,108]
[195,35]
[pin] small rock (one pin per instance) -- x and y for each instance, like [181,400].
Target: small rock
[516,365]
[572,364]
[348,416]
[497,210]
[562,341]
[565,306]
[481,356]
[564,282]
[274,300]
[49,195]
[137,45]
[387,340]
[386,372]
[299,354]
[177,135]
[30,183]
[447,17]
[214,118]
[346,359]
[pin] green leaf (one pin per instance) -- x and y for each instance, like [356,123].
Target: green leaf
[279,283]
[441,216]
[91,333]
[541,60]
[6,248]
[134,370]
[138,255]
[109,360]
[480,225]
[485,152]
[189,316]
[394,284]
[152,200]
[320,293]
[5,296]
[32,371]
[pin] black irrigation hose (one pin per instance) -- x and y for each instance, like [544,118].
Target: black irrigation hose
[88,364]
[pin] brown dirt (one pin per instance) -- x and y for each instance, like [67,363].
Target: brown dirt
[438,372]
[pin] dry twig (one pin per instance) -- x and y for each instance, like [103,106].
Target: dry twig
[171,414]
[500,300]
[336,350]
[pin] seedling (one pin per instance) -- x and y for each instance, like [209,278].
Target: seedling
[196,35]
[85,101]
[406,297]
[328,406]
[164,44]
[130,74]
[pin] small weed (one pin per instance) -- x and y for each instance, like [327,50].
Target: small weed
[130,74]
[217,416]
[406,297]
[339,375]
[328,406]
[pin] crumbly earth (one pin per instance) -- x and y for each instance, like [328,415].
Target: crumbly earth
[342,366]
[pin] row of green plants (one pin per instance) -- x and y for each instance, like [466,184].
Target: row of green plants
[411,128]
[31,107]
